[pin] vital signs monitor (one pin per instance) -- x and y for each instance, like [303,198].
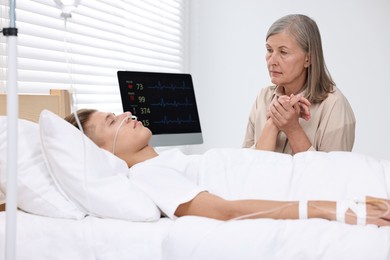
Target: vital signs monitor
[163,102]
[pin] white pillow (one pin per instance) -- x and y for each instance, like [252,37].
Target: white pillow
[36,192]
[90,176]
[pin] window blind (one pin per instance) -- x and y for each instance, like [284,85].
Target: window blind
[85,51]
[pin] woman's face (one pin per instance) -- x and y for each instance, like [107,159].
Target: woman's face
[287,63]
[131,135]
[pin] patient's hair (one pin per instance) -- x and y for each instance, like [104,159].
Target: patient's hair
[305,32]
[83,115]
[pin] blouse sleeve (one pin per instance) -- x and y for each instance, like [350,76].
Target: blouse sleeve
[337,126]
[257,117]
[249,139]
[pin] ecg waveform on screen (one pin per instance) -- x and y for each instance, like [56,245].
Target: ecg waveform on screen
[173,87]
[174,103]
[177,121]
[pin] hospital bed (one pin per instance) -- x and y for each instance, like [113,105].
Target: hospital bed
[52,225]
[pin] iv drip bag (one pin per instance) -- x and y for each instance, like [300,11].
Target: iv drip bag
[67,6]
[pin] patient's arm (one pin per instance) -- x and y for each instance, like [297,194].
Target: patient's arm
[208,205]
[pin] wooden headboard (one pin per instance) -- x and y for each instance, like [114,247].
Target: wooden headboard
[31,105]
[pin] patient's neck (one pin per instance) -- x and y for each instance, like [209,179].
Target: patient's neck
[142,155]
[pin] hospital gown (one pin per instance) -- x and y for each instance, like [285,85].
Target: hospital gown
[169,179]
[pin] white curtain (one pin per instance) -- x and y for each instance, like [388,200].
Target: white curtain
[86,51]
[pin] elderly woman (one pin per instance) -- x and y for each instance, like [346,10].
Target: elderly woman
[296,67]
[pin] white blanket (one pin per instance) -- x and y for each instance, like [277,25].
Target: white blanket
[311,175]
[247,173]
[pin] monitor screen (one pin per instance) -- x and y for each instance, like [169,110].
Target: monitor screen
[163,102]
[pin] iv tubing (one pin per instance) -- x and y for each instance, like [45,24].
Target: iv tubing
[117,131]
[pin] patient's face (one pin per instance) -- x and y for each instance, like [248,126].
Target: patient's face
[131,135]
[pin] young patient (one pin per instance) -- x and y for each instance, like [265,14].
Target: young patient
[128,139]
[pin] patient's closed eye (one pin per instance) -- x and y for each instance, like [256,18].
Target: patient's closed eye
[110,119]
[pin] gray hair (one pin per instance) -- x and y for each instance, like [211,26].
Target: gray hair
[306,33]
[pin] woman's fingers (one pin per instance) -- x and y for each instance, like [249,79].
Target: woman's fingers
[305,101]
[305,111]
[286,107]
[304,105]
[283,114]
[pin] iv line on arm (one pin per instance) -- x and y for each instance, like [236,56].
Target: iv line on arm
[353,208]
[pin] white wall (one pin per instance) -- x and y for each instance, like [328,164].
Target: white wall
[227,39]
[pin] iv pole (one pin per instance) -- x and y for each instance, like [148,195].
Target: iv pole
[12,132]
[12,123]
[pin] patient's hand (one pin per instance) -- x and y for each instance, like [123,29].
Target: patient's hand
[378,211]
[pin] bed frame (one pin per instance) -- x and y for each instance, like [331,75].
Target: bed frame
[31,105]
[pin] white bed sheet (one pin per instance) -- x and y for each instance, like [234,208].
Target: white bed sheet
[199,238]
[88,239]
